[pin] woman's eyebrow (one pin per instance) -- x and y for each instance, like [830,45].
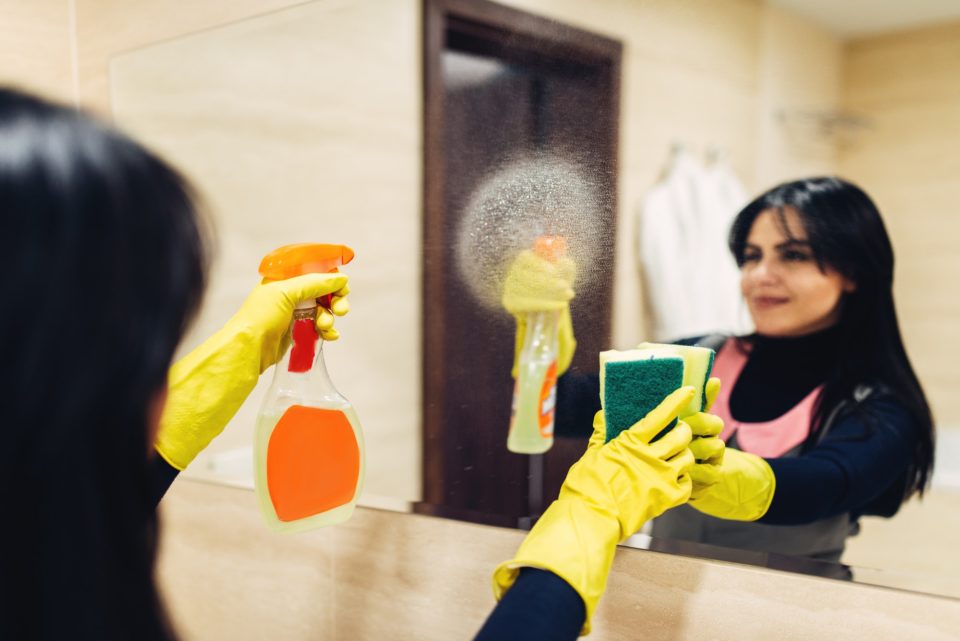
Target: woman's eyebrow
[794,243]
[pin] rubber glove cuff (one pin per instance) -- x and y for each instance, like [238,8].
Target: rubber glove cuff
[567,530]
[198,407]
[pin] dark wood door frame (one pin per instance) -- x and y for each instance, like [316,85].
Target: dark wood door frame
[521,34]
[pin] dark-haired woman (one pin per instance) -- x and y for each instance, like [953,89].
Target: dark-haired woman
[824,417]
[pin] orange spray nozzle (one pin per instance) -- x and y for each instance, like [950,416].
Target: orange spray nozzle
[550,247]
[304,258]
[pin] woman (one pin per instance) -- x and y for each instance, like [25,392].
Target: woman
[825,419]
[105,265]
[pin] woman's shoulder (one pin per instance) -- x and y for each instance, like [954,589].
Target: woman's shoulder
[872,394]
[877,406]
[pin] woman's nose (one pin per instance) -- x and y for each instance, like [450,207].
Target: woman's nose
[763,272]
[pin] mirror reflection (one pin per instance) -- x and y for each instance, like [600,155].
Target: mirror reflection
[690,154]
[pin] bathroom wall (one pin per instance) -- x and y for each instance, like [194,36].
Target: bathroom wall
[906,84]
[37,46]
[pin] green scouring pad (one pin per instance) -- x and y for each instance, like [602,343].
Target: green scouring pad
[634,382]
[698,363]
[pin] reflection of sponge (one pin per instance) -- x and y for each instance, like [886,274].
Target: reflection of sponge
[634,382]
[698,363]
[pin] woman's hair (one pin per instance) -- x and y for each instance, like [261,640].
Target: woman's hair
[103,263]
[846,233]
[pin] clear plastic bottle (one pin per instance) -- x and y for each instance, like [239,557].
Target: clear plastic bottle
[535,391]
[308,448]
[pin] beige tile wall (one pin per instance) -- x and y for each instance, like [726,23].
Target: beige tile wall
[385,575]
[918,547]
[801,68]
[37,47]
[108,27]
[908,85]
[304,125]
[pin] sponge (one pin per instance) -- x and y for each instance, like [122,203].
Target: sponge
[634,382]
[698,363]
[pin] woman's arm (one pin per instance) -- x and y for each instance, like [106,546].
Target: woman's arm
[540,605]
[857,461]
[162,475]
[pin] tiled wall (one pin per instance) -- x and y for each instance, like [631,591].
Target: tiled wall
[908,85]
[37,50]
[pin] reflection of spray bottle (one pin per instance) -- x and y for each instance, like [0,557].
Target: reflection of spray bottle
[308,449]
[535,392]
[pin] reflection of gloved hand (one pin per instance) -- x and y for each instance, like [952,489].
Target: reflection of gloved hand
[210,383]
[707,448]
[607,496]
[740,488]
[536,284]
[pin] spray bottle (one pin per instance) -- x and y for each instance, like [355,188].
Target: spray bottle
[535,392]
[308,449]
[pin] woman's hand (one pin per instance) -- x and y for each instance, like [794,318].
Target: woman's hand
[607,496]
[536,284]
[208,385]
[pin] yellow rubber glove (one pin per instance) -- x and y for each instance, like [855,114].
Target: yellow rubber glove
[208,385]
[607,496]
[740,488]
[535,284]
[707,448]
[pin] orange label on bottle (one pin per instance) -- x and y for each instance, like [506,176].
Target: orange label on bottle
[313,462]
[548,401]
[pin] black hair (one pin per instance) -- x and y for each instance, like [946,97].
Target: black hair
[104,262]
[847,234]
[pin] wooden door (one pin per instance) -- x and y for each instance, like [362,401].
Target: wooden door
[500,83]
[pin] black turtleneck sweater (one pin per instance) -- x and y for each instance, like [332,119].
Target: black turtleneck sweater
[857,468]
[780,373]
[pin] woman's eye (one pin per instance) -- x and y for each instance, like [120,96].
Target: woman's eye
[795,256]
[750,258]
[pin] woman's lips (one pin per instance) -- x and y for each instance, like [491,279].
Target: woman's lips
[769,302]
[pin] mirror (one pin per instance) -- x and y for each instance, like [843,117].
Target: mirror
[308,124]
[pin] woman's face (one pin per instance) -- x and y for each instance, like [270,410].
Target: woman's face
[787,292]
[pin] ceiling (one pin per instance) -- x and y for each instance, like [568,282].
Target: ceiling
[854,18]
